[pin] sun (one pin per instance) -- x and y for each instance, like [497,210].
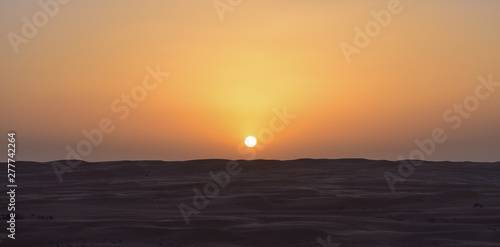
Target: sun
[250,141]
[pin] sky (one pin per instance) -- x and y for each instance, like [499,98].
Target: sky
[181,80]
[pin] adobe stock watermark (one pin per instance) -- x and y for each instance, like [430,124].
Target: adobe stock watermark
[363,37]
[223,6]
[455,116]
[221,179]
[31,26]
[121,106]
[211,190]
[327,243]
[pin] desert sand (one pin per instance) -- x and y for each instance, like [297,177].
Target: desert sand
[269,203]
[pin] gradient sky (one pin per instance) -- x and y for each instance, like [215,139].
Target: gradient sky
[227,75]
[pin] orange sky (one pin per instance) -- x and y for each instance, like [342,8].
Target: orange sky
[227,75]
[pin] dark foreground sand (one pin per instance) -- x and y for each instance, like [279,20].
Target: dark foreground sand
[269,203]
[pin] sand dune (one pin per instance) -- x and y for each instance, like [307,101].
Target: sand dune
[269,203]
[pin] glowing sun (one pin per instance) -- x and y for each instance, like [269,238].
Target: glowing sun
[250,141]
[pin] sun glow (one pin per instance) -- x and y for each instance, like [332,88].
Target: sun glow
[250,141]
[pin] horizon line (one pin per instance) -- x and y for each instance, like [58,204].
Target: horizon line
[281,160]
